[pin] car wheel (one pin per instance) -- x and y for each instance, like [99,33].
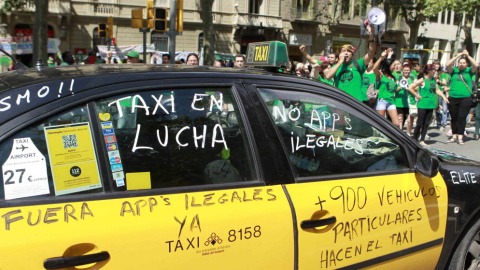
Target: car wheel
[467,254]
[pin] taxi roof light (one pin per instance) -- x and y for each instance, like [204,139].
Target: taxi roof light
[267,54]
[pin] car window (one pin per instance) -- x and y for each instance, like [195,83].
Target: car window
[172,138]
[325,137]
[56,157]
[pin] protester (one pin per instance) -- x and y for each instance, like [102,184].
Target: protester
[396,69]
[133,57]
[192,59]
[386,95]
[347,74]
[155,59]
[369,83]
[109,58]
[403,96]
[67,59]
[416,70]
[460,93]
[443,82]
[426,100]
[165,58]
[321,69]
[239,61]
[332,58]
[301,70]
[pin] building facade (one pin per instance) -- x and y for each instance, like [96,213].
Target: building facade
[322,25]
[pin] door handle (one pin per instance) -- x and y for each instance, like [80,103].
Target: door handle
[63,262]
[309,224]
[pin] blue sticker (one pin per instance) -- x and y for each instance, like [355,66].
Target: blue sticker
[108,132]
[106,124]
[117,167]
[120,182]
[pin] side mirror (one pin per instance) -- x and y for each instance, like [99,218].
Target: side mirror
[426,163]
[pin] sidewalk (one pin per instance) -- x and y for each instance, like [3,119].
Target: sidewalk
[438,140]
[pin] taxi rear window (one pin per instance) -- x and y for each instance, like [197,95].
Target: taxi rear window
[172,138]
[325,137]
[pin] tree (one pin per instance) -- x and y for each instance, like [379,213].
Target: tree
[40,37]
[468,7]
[12,5]
[208,32]
[412,12]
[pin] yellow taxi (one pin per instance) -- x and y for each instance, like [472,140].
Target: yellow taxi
[179,167]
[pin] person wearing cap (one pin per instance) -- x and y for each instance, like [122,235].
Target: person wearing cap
[133,57]
[347,74]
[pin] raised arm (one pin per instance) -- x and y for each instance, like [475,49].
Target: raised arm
[303,50]
[371,45]
[331,72]
[450,62]
[472,61]
[376,66]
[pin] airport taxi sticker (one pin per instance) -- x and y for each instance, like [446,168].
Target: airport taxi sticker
[72,158]
[25,171]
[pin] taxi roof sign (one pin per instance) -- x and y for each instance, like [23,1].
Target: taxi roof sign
[267,54]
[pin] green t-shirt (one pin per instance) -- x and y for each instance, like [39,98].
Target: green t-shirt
[330,82]
[401,98]
[397,75]
[414,74]
[387,89]
[458,89]
[445,76]
[367,80]
[349,79]
[429,97]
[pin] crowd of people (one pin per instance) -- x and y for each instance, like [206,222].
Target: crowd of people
[404,92]
[133,57]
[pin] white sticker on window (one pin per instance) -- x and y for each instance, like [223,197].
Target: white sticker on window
[25,171]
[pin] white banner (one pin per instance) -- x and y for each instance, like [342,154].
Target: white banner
[24,45]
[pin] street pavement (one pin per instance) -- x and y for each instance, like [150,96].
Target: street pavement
[438,140]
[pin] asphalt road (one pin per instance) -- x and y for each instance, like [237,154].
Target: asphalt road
[438,140]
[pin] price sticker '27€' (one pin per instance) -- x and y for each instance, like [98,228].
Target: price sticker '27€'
[25,171]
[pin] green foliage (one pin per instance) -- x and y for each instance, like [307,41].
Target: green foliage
[12,5]
[470,7]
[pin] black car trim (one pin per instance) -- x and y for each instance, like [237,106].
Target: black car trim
[100,149]
[276,154]
[295,228]
[393,255]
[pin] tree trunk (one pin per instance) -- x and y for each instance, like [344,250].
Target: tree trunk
[467,29]
[208,32]
[40,38]
[414,27]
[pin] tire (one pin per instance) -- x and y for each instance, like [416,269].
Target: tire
[467,254]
